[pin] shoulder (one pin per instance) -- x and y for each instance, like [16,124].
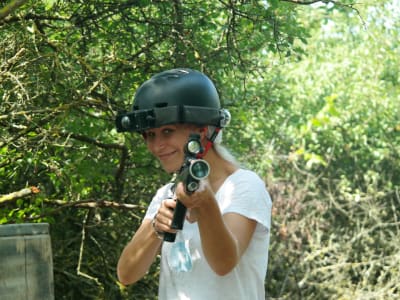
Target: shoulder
[245,184]
[246,176]
[245,193]
[163,191]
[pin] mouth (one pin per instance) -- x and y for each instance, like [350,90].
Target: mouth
[166,156]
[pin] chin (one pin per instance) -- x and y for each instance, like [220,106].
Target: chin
[170,169]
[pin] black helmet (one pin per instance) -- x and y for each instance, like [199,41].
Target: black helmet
[174,96]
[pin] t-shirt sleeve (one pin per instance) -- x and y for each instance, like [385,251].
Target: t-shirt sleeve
[245,193]
[162,194]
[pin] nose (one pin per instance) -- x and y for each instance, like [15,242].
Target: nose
[156,143]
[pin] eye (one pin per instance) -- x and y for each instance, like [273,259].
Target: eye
[167,131]
[149,135]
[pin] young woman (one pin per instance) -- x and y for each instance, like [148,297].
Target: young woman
[222,250]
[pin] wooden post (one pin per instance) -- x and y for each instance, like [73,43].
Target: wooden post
[26,264]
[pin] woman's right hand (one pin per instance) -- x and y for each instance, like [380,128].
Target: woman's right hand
[164,216]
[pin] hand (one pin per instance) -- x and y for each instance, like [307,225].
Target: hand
[164,216]
[198,199]
[191,215]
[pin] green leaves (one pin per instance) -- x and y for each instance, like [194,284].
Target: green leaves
[313,96]
[49,3]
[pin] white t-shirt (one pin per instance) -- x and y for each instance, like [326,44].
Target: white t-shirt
[243,193]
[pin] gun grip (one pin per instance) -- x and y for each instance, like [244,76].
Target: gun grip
[169,237]
[177,221]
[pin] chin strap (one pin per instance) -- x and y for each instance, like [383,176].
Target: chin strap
[210,142]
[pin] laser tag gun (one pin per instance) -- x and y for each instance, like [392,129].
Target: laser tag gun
[192,171]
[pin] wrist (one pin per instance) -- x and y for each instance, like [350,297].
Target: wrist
[207,207]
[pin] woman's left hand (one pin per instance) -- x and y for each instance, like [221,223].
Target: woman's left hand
[196,200]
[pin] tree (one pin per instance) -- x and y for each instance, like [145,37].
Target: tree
[337,215]
[67,67]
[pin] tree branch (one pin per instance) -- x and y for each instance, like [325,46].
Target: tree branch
[91,203]
[87,139]
[10,8]
[85,204]
[81,248]
[124,154]
[18,194]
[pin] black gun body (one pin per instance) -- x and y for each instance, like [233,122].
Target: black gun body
[179,212]
[177,221]
[191,185]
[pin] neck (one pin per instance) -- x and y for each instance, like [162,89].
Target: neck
[220,169]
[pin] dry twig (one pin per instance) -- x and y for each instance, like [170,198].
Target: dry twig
[18,194]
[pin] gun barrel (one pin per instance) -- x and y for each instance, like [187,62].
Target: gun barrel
[193,170]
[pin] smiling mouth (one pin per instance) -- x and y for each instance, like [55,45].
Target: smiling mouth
[166,156]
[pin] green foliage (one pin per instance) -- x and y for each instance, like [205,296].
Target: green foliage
[313,91]
[337,218]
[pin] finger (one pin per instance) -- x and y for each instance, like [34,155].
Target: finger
[165,210]
[161,222]
[191,215]
[170,204]
[165,214]
[180,190]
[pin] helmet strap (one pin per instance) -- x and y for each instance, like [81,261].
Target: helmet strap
[210,142]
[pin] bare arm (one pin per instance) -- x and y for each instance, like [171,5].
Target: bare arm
[224,238]
[138,254]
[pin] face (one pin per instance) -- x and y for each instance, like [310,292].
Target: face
[167,144]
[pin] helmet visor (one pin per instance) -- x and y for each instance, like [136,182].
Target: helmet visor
[141,120]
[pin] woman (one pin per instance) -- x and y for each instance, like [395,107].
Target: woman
[222,250]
